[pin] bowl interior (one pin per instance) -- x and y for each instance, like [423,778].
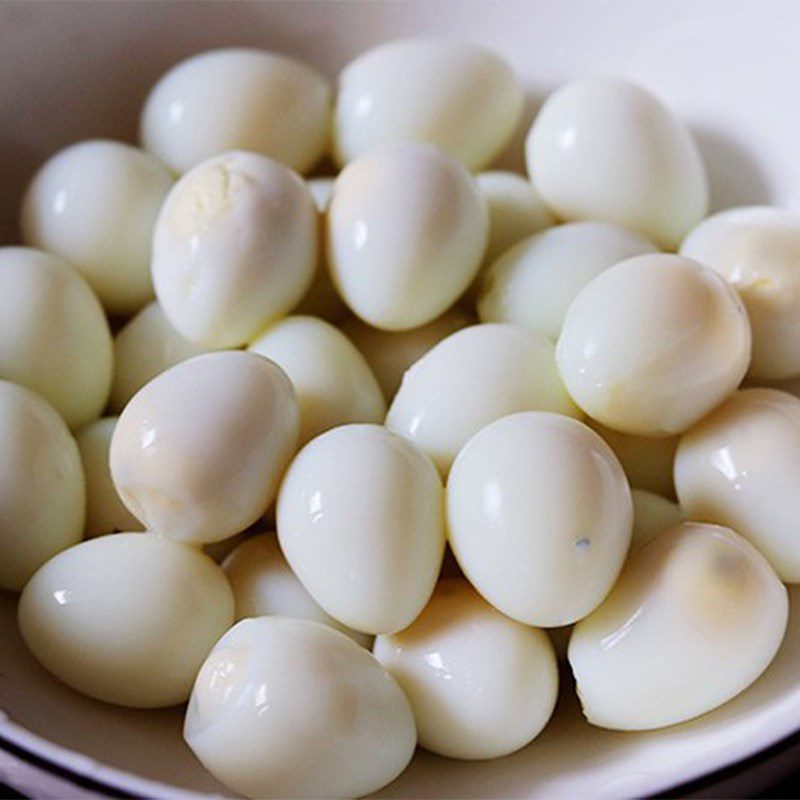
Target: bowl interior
[72,70]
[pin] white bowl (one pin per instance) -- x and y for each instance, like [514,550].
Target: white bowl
[73,70]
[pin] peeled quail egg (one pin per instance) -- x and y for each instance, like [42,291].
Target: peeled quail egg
[406,232]
[605,149]
[455,95]
[480,684]
[95,204]
[287,708]
[333,383]
[535,281]
[361,523]
[758,251]
[652,344]
[54,337]
[321,190]
[127,618]
[42,493]
[197,454]
[472,378]
[238,99]
[264,585]
[740,466]
[696,616]
[235,247]
[534,546]
[652,514]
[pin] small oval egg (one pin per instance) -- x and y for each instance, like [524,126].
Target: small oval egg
[287,708]
[652,514]
[653,344]
[480,684]
[406,232]
[197,454]
[54,337]
[391,353]
[238,99]
[604,149]
[235,247]
[361,523]
[535,281]
[537,549]
[105,511]
[758,250]
[264,585]
[471,378]
[95,204]
[42,489]
[332,380]
[739,466]
[127,618]
[458,96]
[143,348]
[696,616]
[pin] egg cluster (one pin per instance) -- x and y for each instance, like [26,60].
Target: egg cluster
[368,437]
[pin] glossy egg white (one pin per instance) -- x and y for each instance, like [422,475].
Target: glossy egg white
[696,616]
[264,585]
[407,229]
[287,708]
[197,454]
[238,99]
[332,380]
[480,684]
[740,467]
[42,489]
[605,149]
[105,511]
[54,337]
[534,547]
[235,247]
[652,344]
[95,204]
[471,378]
[758,250]
[652,514]
[535,281]
[458,96]
[361,522]
[127,618]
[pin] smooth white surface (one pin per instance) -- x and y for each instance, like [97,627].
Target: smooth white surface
[127,618]
[652,344]
[54,337]
[407,228]
[234,248]
[455,95]
[42,487]
[361,523]
[287,708]
[472,378]
[198,453]
[238,99]
[94,204]
[534,547]
[480,685]
[652,514]
[696,617]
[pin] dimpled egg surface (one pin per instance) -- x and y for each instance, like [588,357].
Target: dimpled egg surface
[407,228]
[287,708]
[480,684]
[235,247]
[537,548]
[198,453]
[361,522]
[127,618]
[652,344]
[695,618]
